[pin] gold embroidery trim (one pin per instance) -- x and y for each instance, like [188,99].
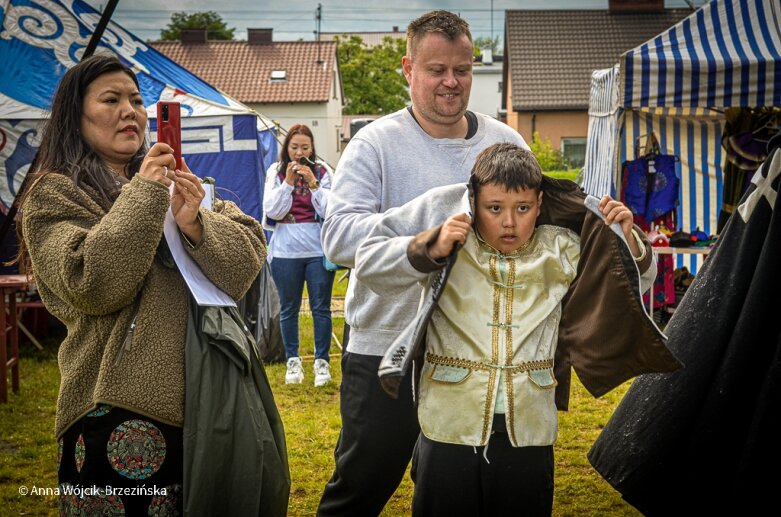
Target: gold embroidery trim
[497,301]
[508,345]
[457,362]
[508,313]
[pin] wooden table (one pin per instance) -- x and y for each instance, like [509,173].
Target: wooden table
[9,332]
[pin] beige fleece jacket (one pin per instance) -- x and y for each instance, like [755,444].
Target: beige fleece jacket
[94,267]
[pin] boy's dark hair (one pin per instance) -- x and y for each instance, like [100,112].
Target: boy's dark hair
[508,166]
[443,22]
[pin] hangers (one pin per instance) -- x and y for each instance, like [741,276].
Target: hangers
[651,146]
[767,120]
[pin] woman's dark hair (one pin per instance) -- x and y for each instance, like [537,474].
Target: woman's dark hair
[508,166]
[64,151]
[284,156]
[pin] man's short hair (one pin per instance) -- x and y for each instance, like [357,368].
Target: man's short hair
[446,23]
[508,166]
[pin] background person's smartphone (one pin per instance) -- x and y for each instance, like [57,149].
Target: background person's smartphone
[169,128]
[305,161]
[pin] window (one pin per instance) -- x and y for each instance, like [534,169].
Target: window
[574,151]
[279,76]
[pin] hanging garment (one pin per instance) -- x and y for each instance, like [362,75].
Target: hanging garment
[650,185]
[745,138]
[698,441]
[235,457]
[650,190]
[664,285]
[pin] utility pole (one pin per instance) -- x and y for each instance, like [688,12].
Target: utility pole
[318,18]
[492,20]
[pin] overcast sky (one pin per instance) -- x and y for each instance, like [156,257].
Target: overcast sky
[295,19]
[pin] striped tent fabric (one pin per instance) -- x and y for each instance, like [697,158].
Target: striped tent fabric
[598,170]
[726,54]
[677,85]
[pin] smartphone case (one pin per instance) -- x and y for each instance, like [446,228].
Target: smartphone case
[169,127]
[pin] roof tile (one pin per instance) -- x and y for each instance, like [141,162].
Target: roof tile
[243,70]
[551,54]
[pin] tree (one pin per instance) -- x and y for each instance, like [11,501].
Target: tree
[216,28]
[371,76]
[550,159]
[485,42]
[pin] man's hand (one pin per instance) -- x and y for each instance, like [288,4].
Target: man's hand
[453,231]
[617,212]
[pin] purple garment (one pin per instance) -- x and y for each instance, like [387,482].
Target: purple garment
[651,185]
[302,210]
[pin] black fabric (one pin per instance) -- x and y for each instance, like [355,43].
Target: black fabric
[260,308]
[376,442]
[456,480]
[115,449]
[697,441]
[471,120]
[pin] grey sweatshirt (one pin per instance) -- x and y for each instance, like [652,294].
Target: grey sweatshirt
[387,163]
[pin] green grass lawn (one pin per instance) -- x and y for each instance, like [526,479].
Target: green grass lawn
[28,452]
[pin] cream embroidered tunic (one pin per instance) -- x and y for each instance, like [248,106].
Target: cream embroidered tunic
[497,322]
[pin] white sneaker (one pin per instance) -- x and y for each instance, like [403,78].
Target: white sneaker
[295,371]
[322,372]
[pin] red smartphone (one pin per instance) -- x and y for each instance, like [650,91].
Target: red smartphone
[169,128]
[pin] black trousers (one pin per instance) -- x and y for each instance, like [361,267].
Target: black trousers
[375,444]
[457,480]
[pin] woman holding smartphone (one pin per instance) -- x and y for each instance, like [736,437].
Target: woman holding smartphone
[294,202]
[92,234]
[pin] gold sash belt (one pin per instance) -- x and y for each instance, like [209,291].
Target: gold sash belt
[476,365]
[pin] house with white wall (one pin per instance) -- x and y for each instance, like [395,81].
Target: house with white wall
[486,95]
[289,82]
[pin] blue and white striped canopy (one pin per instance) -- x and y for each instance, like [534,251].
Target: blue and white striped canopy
[727,54]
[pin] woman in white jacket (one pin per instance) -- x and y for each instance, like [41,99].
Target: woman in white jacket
[294,202]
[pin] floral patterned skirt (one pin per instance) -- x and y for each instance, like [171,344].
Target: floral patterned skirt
[117,462]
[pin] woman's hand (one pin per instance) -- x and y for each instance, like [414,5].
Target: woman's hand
[617,212]
[291,174]
[296,170]
[307,174]
[454,230]
[159,164]
[186,201]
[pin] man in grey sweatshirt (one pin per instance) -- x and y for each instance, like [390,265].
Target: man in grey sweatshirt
[387,163]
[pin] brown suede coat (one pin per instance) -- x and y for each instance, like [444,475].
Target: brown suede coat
[95,269]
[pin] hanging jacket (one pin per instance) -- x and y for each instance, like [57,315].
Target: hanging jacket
[235,457]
